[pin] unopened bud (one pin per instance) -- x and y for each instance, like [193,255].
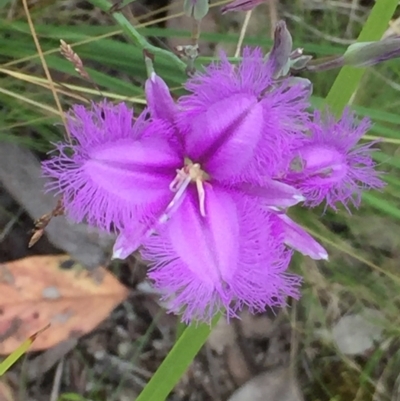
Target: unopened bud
[280,53]
[241,5]
[365,54]
[196,9]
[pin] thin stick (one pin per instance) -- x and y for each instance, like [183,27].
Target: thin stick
[45,67]
[243,32]
[294,341]
[195,32]
[273,16]
[55,391]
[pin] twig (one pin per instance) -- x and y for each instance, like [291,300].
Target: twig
[294,341]
[195,32]
[243,32]
[8,227]
[349,28]
[273,16]
[55,391]
[45,67]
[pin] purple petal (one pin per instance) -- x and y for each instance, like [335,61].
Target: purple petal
[126,245]
[224,138]
[114,173]
[221,95]
[135,171]
[273,193]
[218,251]
[159,99]
[296,237]
[231,258]
[129,240]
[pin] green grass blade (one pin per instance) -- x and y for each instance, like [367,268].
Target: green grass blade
[19,352]
[349,77]
[388,208]
[176,362]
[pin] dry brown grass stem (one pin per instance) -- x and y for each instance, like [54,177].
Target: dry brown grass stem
[45,67]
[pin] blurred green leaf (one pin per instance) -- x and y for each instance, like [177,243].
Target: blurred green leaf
[349,77]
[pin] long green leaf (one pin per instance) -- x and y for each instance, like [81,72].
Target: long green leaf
[176,362]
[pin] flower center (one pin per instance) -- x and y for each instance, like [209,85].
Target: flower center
[190,173]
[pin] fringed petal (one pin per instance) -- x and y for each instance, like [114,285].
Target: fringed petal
[255,119]
[298,238]
[159,100]
[224,138]
[112,177]
[233,257]
[272,193]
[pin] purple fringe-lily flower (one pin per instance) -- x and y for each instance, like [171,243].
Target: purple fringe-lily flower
[330,165]
[202,186]
[213,241]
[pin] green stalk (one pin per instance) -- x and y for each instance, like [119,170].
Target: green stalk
[138,39]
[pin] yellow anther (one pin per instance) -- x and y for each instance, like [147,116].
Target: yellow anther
[191,173]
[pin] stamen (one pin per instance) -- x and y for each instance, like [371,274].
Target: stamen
[191,172]
[178,180]
[202,196]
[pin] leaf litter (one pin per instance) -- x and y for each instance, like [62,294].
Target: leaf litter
[36,292]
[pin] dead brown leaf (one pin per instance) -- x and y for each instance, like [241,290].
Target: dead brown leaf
[38,291]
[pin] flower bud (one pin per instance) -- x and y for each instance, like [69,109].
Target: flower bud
[281,50]
[196,9]
[365,54]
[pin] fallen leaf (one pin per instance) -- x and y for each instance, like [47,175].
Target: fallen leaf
[273,385]
[355,334]
[41,292]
